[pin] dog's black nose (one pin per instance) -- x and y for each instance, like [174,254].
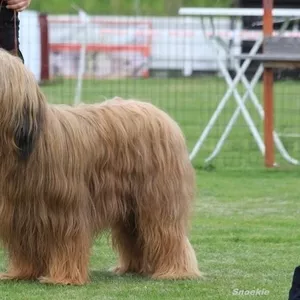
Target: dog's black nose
[294,293]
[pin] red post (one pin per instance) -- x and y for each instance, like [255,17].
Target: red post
[268,90]
[44,47]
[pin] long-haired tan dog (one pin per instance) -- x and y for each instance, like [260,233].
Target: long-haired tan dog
[70,173]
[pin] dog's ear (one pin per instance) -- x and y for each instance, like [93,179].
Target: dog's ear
[27,131]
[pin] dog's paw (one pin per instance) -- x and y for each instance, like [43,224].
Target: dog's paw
[118,270]
[7,276]
[53,281]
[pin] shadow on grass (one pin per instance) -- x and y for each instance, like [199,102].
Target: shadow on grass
[107,276]
[96,277]
[102,276]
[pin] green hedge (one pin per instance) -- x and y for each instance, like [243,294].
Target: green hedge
[124,7]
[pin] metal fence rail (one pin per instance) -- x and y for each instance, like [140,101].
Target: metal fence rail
[183,65]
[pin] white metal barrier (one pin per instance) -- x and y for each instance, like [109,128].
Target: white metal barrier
[286,16]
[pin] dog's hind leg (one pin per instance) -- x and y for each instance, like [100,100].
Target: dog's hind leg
[125,239]
[177,259]
[164,211]
[168,253]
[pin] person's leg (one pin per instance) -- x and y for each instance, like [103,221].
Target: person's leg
[294,293]
[9,31]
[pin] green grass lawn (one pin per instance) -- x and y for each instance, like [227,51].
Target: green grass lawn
[245,230]
[245,224]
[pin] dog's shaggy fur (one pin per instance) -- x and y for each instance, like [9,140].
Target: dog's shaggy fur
[70,173]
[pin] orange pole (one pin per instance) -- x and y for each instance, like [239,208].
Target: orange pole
[268,90]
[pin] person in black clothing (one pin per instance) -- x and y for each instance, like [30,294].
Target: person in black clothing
[294,293]
[9,27]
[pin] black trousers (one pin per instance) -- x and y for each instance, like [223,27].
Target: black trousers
[7,30]
[294,293]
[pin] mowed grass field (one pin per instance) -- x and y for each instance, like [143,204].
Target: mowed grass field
[245,225]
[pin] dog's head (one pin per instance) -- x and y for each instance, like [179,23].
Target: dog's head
[22,107]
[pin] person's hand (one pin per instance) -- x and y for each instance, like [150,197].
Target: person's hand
[18,5]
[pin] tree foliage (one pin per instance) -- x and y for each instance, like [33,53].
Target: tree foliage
[123,7]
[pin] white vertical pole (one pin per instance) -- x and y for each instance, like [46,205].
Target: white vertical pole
[137,7]
[82,58]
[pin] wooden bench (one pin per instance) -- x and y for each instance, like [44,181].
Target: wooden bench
[278,52]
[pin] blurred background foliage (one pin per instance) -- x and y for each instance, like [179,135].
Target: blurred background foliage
[124,7]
